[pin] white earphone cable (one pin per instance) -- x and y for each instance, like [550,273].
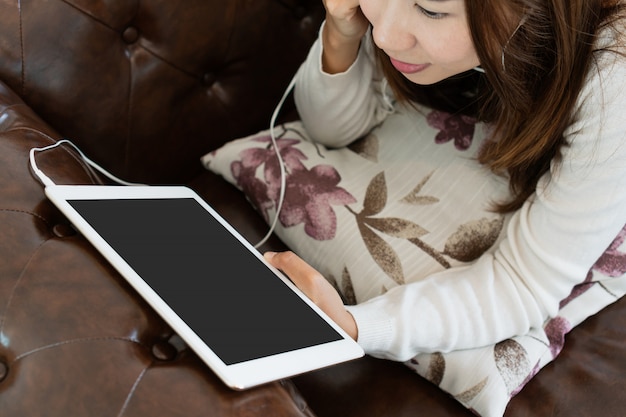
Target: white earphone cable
[45,180]
[281,164]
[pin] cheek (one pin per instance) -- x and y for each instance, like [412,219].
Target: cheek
[370,9]
[466,52]
[464,45]
[450,49]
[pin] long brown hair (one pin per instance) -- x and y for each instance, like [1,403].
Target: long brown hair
[536,55]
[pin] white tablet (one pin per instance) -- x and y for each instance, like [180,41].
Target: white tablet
[242,317]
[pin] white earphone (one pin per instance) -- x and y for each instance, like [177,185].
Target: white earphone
[47,181]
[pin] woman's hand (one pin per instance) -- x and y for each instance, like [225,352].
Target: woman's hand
[344,28]
[346,19]
[315,286]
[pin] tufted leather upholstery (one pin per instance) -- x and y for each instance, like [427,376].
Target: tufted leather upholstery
[146,88]
[159,82]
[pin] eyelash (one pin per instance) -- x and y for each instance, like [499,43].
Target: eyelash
[429,14]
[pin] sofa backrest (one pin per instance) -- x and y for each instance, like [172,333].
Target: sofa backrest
[147,87]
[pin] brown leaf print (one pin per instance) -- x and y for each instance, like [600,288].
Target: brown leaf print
[432,252]
[414,196]
[420,200]
[468,395]
[530,376]
[375,196]
[375,201]
[512,363]
[436,368]
[396,227]
[383,253]
[333,281]
[472,239]
[346,288]
[367,147]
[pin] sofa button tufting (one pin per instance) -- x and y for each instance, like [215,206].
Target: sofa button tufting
[63,230]
[164,351]
[130,35]
[4,371]
[209,78]
[307,24]
[299,12]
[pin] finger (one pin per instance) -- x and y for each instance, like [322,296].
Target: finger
[314,286]
[300,272]
[287,259]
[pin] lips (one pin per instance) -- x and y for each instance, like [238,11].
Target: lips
[407,68]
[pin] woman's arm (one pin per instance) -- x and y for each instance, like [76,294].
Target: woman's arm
[338,108]
[341,35]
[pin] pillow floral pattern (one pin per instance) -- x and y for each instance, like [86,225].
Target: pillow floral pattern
[401,203]
[310,193]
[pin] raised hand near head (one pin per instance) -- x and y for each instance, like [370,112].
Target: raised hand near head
[344,28]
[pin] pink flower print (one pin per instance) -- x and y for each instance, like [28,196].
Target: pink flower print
[309,194]
[264,193]
[455,127]
[579,289]
[244,172]
[309,197]
[292,159]
[530,376]
[612,263]
[556,329]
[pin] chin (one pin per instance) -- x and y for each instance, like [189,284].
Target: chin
[426,78]
[423,79]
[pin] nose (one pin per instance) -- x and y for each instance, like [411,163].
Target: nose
[392,31]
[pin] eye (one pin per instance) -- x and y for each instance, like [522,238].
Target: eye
[429,14]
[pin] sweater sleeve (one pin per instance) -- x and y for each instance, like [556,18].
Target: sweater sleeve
[337,109]
[551,243]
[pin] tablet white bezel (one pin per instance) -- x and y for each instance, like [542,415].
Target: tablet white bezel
[238,376]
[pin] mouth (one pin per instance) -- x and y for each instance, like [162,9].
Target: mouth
[407,68]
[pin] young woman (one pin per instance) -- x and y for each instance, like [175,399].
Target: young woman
[549,77]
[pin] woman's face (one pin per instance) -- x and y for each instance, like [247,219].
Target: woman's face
[427,40]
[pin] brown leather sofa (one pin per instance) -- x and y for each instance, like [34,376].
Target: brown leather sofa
[146,88]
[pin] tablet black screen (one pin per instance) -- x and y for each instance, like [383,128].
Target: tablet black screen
[227,296]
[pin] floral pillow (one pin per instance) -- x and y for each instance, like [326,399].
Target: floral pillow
[407,200]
